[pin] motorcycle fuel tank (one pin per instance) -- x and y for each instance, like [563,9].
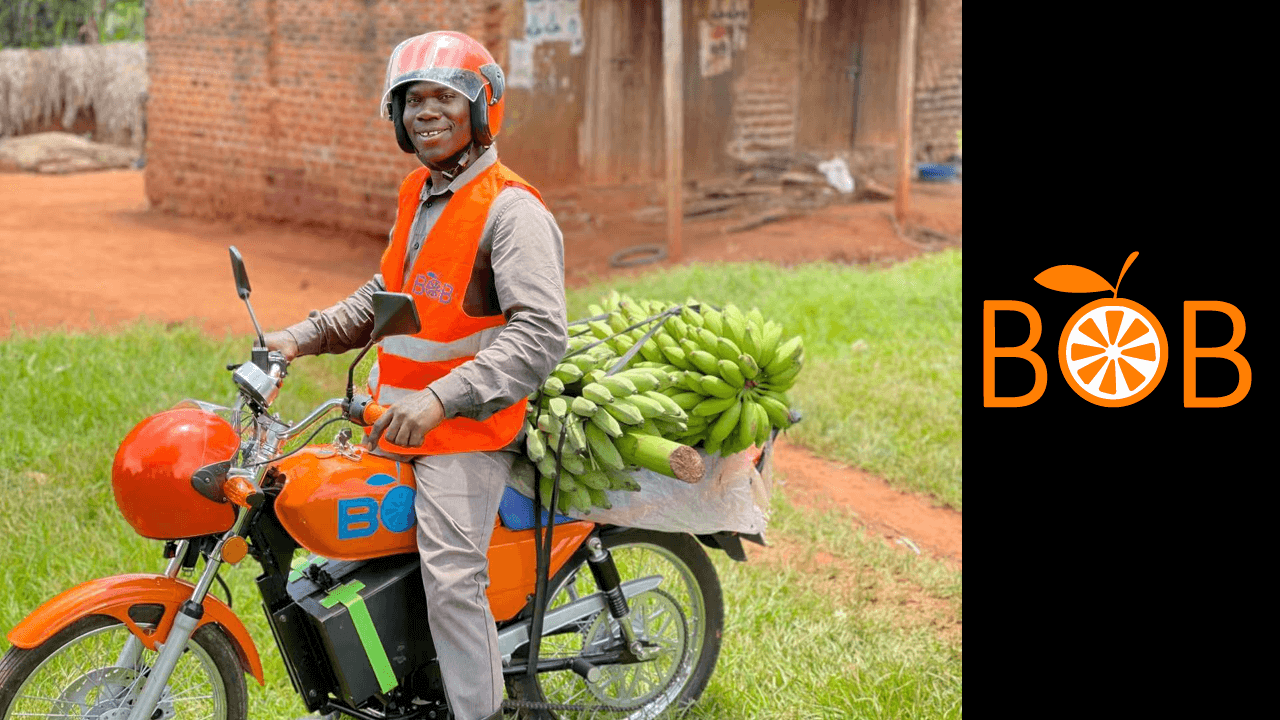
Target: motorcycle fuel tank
[352,505]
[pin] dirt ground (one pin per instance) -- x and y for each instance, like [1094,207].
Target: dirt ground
[83,251]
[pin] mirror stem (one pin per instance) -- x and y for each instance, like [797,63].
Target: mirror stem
[262,343]
[351,371]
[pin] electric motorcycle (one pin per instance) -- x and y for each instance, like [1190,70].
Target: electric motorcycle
[592,619]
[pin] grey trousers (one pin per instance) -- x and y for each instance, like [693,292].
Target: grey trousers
[456,503]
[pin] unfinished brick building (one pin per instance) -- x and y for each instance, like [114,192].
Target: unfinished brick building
[268,108]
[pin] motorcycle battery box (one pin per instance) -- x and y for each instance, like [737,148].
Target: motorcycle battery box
[371,617]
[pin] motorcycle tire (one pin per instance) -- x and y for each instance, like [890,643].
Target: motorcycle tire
[689,579]
[97,638]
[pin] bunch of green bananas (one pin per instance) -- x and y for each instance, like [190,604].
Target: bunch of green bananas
[734,369]
[704,377]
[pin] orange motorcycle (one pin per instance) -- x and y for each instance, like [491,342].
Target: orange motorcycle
[591,618]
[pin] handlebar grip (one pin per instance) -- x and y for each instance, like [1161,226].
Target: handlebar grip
[241,491]
[372,412]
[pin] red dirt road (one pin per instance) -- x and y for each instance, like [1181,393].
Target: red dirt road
[83,251]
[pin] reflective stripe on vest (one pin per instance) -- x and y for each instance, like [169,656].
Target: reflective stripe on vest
[438,282]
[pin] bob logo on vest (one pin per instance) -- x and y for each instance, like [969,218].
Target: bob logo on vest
[430,286]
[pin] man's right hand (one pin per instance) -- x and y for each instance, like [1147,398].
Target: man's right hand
[283,343]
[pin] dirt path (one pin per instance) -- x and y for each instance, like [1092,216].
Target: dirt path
[83,251]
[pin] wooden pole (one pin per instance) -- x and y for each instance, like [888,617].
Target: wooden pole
[906,97]
[673,94]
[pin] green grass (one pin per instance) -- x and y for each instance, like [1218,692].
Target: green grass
[804,639]
[881,384]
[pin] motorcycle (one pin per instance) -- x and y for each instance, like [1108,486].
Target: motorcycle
[591,618]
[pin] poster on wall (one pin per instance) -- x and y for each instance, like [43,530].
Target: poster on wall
[716,48]
[519,68]
[554,21]
[736,14]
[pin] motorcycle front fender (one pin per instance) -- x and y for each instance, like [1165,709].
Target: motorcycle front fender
[116,596]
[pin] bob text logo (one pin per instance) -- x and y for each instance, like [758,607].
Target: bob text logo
[1112,351]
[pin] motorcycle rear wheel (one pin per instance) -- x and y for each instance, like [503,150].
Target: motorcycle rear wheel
[73,674]
[686,610]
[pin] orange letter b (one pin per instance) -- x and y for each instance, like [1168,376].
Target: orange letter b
[1190,353]
[990,352]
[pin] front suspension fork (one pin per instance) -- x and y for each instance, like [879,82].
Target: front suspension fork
[184,625]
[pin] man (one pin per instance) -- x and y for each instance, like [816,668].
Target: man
[484,261]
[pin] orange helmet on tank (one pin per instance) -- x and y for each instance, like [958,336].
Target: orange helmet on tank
[151,475]
[453,59]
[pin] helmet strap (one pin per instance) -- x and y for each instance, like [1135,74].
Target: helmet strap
[452,166]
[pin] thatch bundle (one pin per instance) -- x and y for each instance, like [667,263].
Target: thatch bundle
[37,86]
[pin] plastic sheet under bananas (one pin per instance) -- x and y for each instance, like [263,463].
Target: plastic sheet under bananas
[732,496]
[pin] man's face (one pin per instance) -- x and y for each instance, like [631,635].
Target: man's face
[438,119]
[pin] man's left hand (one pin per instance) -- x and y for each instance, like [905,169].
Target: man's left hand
[408,420]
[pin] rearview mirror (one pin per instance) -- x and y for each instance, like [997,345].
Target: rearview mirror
[394,314]
[242,277]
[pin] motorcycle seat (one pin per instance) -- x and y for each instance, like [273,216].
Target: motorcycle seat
[516,511]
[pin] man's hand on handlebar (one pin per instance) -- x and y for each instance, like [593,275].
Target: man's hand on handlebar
[407,421]
[282,342]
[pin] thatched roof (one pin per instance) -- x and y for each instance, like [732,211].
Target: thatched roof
[39,85]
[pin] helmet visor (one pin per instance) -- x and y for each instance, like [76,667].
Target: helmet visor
[438,59]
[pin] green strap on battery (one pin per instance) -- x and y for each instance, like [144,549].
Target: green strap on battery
[300,565]
[349,595]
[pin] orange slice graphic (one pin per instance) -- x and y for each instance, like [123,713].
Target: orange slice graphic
[1113,352]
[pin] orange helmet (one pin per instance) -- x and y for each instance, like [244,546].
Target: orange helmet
[452,59]
[151,475]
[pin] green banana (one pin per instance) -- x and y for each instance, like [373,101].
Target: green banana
[707,340]
[776,410]
[607,423]
[717,387]
[763,427]
[642,378]
[624,412]
[770,336]
[558,407]
[571,462]
[648,407]
[576,437]
[691,317]
[670,409]
[751,340]
[727,349]
[711,446]
[598,498]
[690,380]
[713,321]
[678,328]
[747,425]
[553,387]
[597,393]
[735,324]
[754,316]
[728,421]
[548,424]
[705,362]
[731,374]
[594,309]
[714,406]
[535,448]
[602,448]
[618,386]
[567,373]
[584,407]
[747,365]
[787,353]
[687,400]
[594,479]
[567,482]
[675,355]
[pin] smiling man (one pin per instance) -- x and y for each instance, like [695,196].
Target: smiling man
[484,262]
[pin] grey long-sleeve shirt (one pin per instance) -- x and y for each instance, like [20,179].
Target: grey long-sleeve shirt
[519,271]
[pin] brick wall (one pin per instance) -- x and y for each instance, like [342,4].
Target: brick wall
[937,113]
[269,108]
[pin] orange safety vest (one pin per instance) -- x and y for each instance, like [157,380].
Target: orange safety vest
[438,282]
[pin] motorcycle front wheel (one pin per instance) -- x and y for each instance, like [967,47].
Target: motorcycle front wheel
[78,673]
[683,619]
